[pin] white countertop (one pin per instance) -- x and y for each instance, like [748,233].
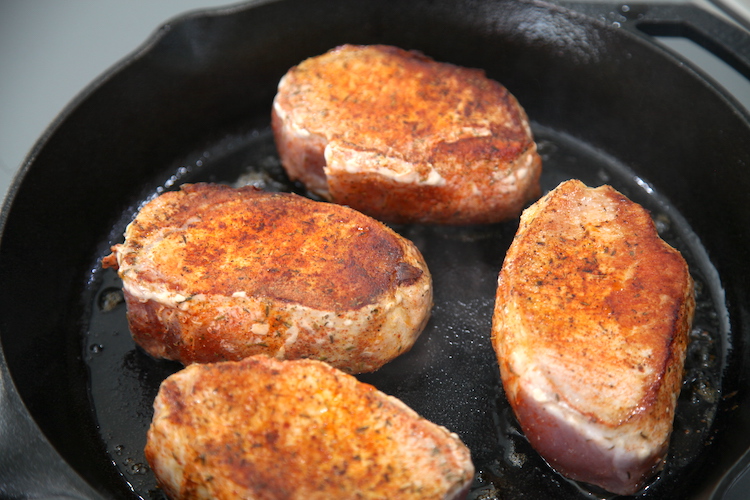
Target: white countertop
[50,50]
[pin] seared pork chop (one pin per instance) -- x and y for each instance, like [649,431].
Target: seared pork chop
[215,273]
[261,428]
[590,328]
[403,138]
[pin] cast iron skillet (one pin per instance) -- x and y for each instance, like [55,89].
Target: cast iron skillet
[193,104]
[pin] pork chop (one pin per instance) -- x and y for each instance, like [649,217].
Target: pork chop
[590,328]
[404,138]
[266,429]
[215,273]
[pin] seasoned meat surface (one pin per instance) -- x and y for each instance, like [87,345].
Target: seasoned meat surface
[404,138]
[215,273]
[590,328]
[266,429]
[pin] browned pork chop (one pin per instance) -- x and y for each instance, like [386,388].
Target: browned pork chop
[216,273]
[590,327]
[268,429]
[404,138]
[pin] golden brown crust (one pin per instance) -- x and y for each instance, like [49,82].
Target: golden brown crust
[592,315]
[296,244]
[406,139]
[211,272]
[267,429]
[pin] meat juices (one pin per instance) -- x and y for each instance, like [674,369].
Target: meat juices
[268,429]
[214,273]
[590,328]
[405,139]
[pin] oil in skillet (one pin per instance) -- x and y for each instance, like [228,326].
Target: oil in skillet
[450,377]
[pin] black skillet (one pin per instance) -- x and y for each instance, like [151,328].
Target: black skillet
[193,104]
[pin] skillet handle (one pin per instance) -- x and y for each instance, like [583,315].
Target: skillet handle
[29,465]
[725,40]
[736,482]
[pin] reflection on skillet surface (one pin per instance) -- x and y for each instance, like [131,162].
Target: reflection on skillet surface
[451,375]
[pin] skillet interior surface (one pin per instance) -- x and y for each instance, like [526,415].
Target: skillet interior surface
[450,376]
[194,105]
